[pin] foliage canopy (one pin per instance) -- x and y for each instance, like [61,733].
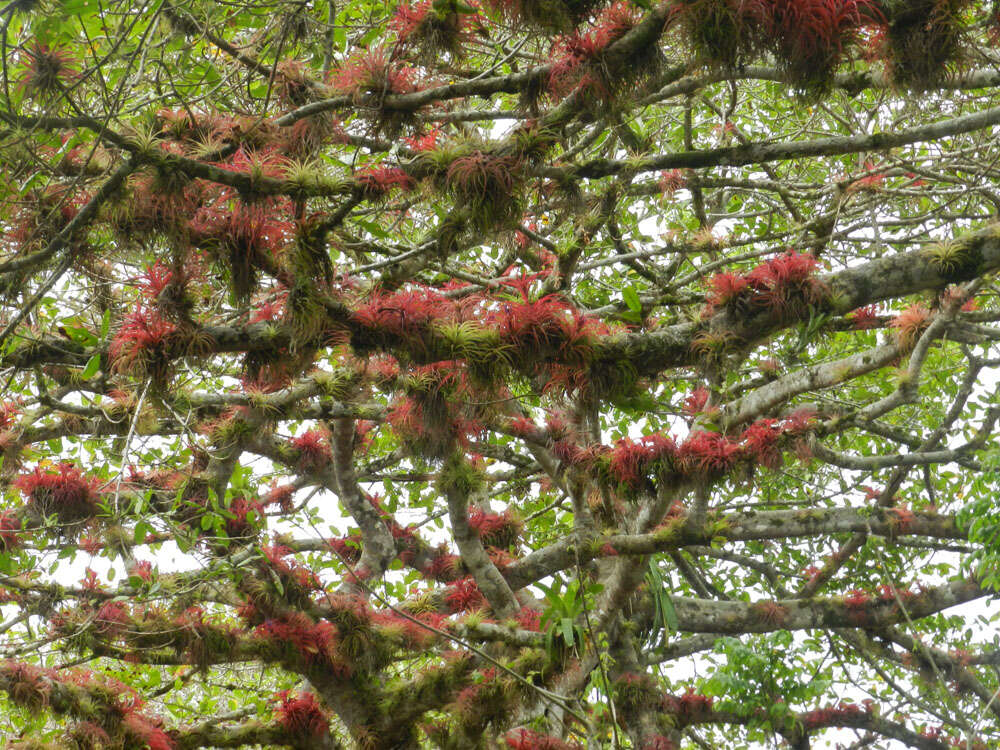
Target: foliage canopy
[499,374]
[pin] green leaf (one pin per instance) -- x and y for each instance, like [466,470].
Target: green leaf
[631,298]
[566,624]
[93,365]
[668,611]
[374,229]
[106,323]
[80,334]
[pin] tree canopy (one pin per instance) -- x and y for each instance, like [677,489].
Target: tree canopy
[526,374]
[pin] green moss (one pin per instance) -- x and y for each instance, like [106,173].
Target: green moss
[338,384]
[459,476]
[670,532]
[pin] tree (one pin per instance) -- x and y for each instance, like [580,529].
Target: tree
[504,374]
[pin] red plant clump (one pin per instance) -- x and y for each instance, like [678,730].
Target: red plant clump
[909,324]
[760,442]
[27,685]
[416,636]
[501,558]
[571,54]
[901,518]
[408,543]
[529,618]
[437,413]
[865,318]
[265,161]
[358,575]
[443,566]
[887,593]
[111,618]
[155,207]
[707,453]
[10,525]
[569,452]
[495,529]
[8,411]
[377,182]
[301,715]
[810,37]
[247,229]
[631,460]
[90,581]
[142,343]
[550,16]
[143,569]
[811,572]
[799,421]
[281,496]
[695,402]
[155,278]
[689,706]
[373,72]
[271,309]
[658,742]
[87,734]
[526,428]
[245,235]
[314,644]
[348,547]
[406,418]
[726,287]
[426,142]
[403,313]
[857,602]
[873,181]
[290,570]
[422,24]
[363,430]
[526,739]
[144,729]
[157,739]
[545,326]
[314,453]
[822,717]
[672,180]
[783,286]
[66,492]
[464,595]
[786,273]
[242,517]
[46,69]
[349,611]
[480,176]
